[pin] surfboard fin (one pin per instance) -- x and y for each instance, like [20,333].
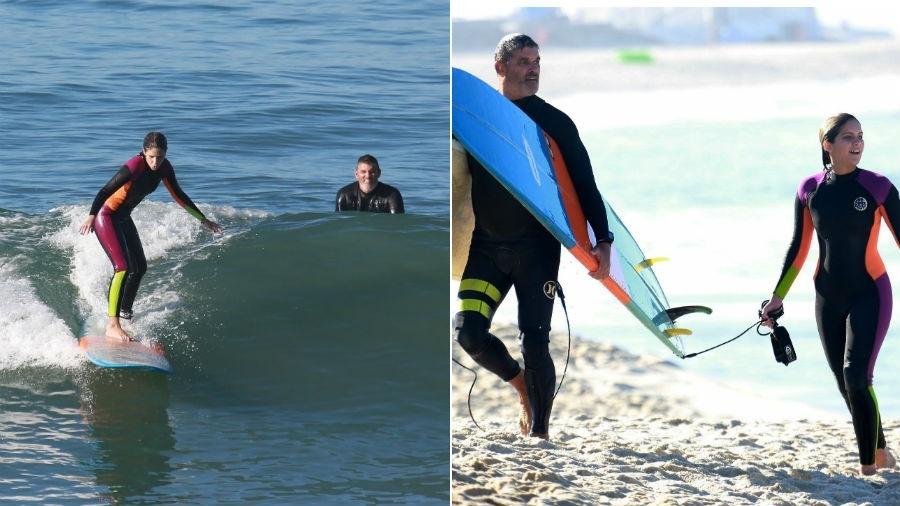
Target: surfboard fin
[648,262]
[677,332]
[675,313]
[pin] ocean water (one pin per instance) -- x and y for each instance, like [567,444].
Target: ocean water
[307,346]
[702,166]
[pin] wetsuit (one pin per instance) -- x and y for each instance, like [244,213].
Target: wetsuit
[116,231]
[511,248]
[383,199]
[853,293]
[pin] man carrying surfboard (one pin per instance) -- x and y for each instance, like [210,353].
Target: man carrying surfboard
[511,248]
[367,193]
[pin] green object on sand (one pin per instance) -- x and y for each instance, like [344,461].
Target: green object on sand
[639,56]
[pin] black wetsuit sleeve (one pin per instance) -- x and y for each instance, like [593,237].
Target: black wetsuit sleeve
[180,197]
[892,212]
[121,177]
[582,174]
[343,202]
[797,251]
[395,202]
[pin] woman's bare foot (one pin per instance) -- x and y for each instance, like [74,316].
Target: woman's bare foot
[884,459]
[114,329]
[868,470]
[524,407]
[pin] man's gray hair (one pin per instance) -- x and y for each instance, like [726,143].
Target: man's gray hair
[511,43]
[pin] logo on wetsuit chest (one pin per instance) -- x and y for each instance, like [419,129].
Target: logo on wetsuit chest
[860,204]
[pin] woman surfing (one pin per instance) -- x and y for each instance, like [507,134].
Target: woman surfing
[110,218]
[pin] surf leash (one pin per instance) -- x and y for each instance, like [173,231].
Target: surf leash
[782,346]
[469,399]
[562,300]
[754,324]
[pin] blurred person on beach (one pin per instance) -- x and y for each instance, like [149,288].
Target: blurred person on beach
[845,204]
[110,218]
[510,248]
[367,193]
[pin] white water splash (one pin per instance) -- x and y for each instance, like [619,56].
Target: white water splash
[167,233]
[30,333]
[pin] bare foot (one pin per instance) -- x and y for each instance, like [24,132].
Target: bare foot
[868,470]
[884,459]
[118,332]
[524,407]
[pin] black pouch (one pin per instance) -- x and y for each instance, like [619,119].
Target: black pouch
[782,345]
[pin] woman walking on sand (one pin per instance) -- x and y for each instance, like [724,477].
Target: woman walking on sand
[845,204]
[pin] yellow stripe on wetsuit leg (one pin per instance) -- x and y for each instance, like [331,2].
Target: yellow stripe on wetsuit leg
[115,292]
[481,286]
[877,416]
[477,306]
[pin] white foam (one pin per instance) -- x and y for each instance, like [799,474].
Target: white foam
[30,333]
[166,230]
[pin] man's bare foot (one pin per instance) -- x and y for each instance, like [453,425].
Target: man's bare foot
[524,407]
[884,459]
[868,470]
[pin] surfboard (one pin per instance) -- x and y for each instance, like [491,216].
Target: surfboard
[528,163]
[112,352]
[462,220]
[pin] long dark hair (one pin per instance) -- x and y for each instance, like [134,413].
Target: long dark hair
[829,132]
[156,140]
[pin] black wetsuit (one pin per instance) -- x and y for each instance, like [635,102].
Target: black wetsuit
[511,248]
[383,199]
[853,292]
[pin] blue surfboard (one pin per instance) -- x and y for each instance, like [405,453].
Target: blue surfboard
[112,352]
[528,164]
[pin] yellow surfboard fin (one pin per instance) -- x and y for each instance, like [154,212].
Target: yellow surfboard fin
[677,332]
[649,262]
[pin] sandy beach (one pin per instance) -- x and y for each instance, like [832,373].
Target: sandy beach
[630,429]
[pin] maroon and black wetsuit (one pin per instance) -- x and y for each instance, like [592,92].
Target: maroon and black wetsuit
[116,231]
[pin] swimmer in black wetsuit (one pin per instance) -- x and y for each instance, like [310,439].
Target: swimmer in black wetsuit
[510,248]
[110,218]
[845,204]
[367,194]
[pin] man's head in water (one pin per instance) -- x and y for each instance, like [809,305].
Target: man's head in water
[842,142]
[367,173]
[517,61]
[155,146]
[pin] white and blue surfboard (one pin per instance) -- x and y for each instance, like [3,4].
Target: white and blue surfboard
[527,162]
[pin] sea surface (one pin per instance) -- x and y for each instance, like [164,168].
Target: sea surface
[701,153]
[308,347]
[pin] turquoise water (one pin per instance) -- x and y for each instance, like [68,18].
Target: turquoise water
[717,198]
[306,344]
